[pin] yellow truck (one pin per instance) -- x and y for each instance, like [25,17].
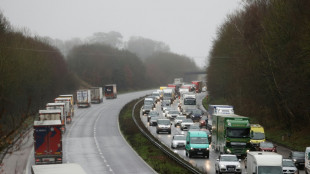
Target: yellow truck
[257,134]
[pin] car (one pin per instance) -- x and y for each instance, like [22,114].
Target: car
[178,141]
[146,109]
[163,125]
[165,104]
[228,163]
[267,147]
[196,115]
[289,167]
[178,120]
[204,89]
[153,121]
[188,112]
[186,123]
[298,158]
[194,127]
[165,112]
[172,114]
[204,122]
[152,114]
[208,132]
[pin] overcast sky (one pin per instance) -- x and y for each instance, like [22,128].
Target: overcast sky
[187,26]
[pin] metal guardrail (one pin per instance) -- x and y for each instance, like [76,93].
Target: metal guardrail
[161,146]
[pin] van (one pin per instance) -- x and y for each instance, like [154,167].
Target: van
[264,162]
[197,143]
[307,160]
[257,135]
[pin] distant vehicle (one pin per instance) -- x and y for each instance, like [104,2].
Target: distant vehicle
[196,115]
[153,120]
[178,120]
[156,94]
[96,94]
[68,109]
[264,162]
[307,160]
[228,163]
[231,134]
[267,147]
[152,114]
[146,109]
[220,109]
[298,158]
[178,141]
[197,144]
[165,104]
[204,122]
[47,142]
[188,103]
[110,91]
[83,98]
[194,127]
[163,125]
[57,169]
[54,111]
[172,114]
[169,94]
[257,135]
[72,101]
[149,101]
[289,167]
[186,123]
[204,89]
[178,80]
[198,85]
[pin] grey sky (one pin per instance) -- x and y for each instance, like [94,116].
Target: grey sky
[187,26]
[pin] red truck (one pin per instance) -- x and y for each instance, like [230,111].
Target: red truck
[198,86]
[47,142]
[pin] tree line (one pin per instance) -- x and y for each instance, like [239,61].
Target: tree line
[260,64]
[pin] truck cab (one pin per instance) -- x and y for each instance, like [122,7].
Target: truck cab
[197,144]
[307,160]
[264,162]
[257,135]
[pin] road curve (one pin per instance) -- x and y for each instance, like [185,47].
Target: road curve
[94,141]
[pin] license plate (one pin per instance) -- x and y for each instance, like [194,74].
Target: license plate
[231,169]
[199,153]
[48,159]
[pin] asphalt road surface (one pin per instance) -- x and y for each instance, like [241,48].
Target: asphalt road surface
[94,141]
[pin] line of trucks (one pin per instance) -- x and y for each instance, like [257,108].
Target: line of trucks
[52,121]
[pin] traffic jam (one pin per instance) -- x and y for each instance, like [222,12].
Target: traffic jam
[217,140]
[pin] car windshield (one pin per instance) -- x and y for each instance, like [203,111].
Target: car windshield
[147,107]
[266,145]
[164,122]
[179,137]
[187,121]
[197,111]
[238,132]
[194,127]
[299,154]
[269,170]
[154,118]
[154,113]
[258,136]
[166,101]
[190,101]
[181,118]
[229,158]
[199,140]
[288,163]
[173,112]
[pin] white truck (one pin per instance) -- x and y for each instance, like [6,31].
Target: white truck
[188,103]
[68,109]
[307,160]
[83,98]
[169,94]
[220,109]
[59,106]
[96,94]
[58,169]
[264,162]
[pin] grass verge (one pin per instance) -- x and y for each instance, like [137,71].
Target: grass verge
[158,160]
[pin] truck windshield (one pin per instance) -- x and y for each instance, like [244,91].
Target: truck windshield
[269,170]
[258,136]
[190,101]
[199,140]
[238,132]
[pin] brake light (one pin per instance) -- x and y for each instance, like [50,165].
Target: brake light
[58,159]
[37,160]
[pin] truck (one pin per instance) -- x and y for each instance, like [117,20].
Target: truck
[220,109]
[188,103]
[110,91]
[83,98]
[307,160]
[198,86]
[71,101]
[178,81]
[59,106]
[57,169]
[197,144]
[231,134]
[47,138]
[257,135]
[264,162]
[96,94]
[68,109]
[169,94]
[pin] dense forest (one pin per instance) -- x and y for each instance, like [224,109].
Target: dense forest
[260,63]
[32,73]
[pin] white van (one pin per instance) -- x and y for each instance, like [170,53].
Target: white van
[307,160]
[264,162]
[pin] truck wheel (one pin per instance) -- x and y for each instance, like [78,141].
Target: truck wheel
[186,154]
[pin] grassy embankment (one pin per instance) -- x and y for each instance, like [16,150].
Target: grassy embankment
[160,162]
[298,140]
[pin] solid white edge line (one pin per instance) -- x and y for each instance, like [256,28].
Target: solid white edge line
[28,162]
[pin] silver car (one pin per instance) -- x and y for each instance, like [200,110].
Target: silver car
[289,167]
[172,114]
[178,120]
[186,123]
[228,163]
[178,141]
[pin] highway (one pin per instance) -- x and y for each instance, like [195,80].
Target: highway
[94,141]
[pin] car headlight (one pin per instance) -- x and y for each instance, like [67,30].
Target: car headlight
[294,160]
[247,151]
[207,149]
[228,151]
[223,166]
[192,148]
[238,166]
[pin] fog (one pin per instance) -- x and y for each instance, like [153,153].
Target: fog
[188,27]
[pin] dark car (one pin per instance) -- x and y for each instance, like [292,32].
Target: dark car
[196,115]
[298,158]
[267,147]
[204,122]
[146,109]
[152,114]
